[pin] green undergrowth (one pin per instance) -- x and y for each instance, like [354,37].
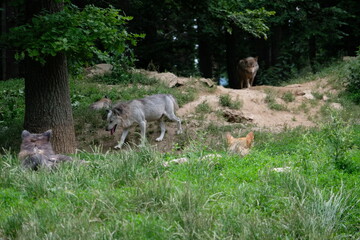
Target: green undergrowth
[131,194]
[295,184]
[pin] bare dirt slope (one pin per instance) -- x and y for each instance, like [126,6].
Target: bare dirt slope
[299,104]
[301,111]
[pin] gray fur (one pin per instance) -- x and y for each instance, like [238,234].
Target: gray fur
[247,69]
[141,111]
[36,151]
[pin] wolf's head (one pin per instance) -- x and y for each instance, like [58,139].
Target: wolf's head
[36,143]
[229,139]
[115,117]
[113,121]
[249,64]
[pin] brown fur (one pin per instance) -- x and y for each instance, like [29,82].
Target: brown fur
[240,145]
[36,151]
[247,69]
[105,102]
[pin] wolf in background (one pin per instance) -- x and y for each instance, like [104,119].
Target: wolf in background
[36,151]
[141,111]
[104,102]
[240,145]
[247,69]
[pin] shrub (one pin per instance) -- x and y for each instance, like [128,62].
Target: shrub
[203,107]
[226,101]
[77,33]
[270,99]
[353,80]
[288,97]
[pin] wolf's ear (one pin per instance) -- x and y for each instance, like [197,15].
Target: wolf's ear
[106,97]
[48,133]
[249,139]
[25,134]
[256,58]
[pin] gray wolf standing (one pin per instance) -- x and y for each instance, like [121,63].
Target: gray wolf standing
[36,151]
[247,69]
[141,111]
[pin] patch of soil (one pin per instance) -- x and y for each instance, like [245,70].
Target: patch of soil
[303,110]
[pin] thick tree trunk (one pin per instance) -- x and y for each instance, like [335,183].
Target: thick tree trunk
[9,19]
[47,94]
[312,53]
[205,61]
[205,51]
[231,59]
[276,43]
[47,102]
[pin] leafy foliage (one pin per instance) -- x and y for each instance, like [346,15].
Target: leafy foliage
[92,34]
[353,79]
[226,101]
[232,13]
[12,108]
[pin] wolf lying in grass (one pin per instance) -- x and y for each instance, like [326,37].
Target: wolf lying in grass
[104,102]
[240,145]
[141,111]
[36,151]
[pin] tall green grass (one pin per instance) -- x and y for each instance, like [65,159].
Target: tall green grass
[131,195]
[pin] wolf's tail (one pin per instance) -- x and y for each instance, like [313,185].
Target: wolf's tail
[176,106]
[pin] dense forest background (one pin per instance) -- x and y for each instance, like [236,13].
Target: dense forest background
[207,37]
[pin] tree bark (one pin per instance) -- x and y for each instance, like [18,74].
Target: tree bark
[231,63]
[204,50]
[47,94]
[312,53]
[205,61]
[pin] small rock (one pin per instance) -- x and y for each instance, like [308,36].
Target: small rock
[308,95]
[99,69]
[282,169]
[336,106]
[207,81]
[175,161]
[236,116]
[299,93]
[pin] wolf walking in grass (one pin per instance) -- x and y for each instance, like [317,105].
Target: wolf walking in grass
[141,111]
[36,151]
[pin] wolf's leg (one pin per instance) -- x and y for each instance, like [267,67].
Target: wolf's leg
[172,117]
[248,81]
[252,79]
[142,131]
[122,138]
[163,129]
[62,158]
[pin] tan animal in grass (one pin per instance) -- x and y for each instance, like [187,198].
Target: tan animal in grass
[104,102]
[247,69]
[240,145]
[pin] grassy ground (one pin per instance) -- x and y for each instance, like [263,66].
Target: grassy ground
[131,195]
